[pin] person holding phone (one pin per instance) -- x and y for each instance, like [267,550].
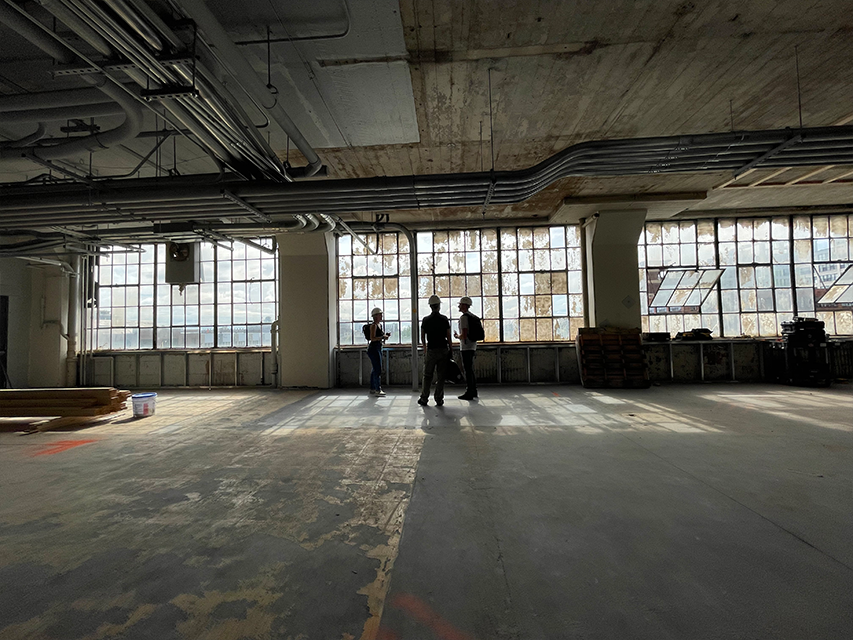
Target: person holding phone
[374,352]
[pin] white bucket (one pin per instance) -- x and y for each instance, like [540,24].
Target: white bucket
[143,404]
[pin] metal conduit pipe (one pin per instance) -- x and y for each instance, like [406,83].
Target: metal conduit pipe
[136,23]
[312,222]
[13,19]
[155,70]
[121,40]
[128,130]
[37,135]
[160,74]
[214,147]
[329,224]
[248,127]
[160,27]
[70,20]
[246,76]
[61,113]
[232,136]
[232,131]
[133,112]
[51,99]
[213,90]
[601,158]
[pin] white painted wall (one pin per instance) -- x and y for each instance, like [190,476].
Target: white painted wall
[613,281]
[47,324]
[15,282]
[307,318]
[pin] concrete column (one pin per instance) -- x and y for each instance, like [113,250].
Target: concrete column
[307,313]
[613,284]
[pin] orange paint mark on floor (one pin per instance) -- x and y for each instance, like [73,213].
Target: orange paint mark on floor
[60,446]
[427,616]
[556,394]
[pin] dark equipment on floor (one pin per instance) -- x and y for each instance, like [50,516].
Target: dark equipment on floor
[453,373]
[801,357]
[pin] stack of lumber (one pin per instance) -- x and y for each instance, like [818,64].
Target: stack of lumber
[612,358]
[78,402]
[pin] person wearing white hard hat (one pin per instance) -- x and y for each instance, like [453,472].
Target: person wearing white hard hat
[374,352]
[467,347]
[435,336]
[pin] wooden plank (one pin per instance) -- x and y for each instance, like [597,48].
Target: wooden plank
[49,402]
[36,412]
[101,394]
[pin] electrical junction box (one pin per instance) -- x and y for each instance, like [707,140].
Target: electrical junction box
[182,262]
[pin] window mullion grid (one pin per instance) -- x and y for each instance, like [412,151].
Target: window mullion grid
[500,286]
[719,282]
[215,295]
[156,296]
[792,269]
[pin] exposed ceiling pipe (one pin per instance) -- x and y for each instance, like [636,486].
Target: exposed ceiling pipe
[240,153]
[139,25]
[37,135]
[213,146]
[58,48]
[312,222]
[133,112]
[51,99]
[246,76]
[13,19]
[709,152]
[128,130]
[61,113]
[67,17]
[160,27]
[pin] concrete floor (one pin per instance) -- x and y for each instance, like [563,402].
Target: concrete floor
[707,511]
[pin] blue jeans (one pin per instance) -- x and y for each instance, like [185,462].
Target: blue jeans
[375,356]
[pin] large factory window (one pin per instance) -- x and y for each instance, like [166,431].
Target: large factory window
[232,306]
[525,283]
[770,269]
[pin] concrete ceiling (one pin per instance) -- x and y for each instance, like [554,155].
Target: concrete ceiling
[387,88]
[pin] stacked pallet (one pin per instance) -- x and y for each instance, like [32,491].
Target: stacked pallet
[81,402]
[612,358]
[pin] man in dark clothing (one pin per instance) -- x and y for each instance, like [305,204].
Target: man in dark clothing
[435,336]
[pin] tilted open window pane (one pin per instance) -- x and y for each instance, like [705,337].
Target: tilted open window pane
[681,291]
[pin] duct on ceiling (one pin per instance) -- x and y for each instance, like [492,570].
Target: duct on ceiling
[193,199]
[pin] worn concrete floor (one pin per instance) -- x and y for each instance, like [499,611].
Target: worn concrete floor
[683,512]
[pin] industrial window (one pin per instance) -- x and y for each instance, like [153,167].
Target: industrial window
[374,273]
[770,270]
[841,291]
[232,306]
[524,283]
[683,290]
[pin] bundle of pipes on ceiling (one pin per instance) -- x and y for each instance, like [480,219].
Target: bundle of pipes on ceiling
[179,70]
[258,205]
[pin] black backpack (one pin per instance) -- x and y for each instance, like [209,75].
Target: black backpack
[366,331]
[475,328]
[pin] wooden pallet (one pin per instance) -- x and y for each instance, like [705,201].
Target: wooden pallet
[612,358]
